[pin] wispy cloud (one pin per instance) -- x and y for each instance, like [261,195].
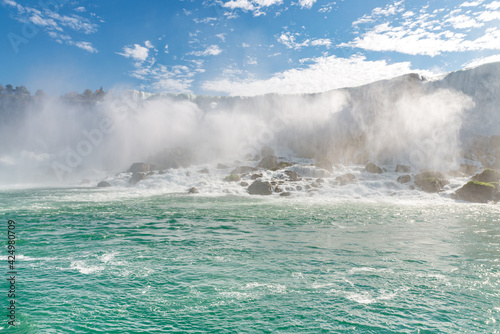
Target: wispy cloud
[306,3]
[136,51]
[212,50]
[290,40]
[482,60]
[58,26]
[428,32]
[258,7]
[315,77]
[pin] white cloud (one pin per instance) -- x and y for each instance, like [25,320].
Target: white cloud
[212,50]
[222,36]
[306,3]
[205,20]
[136,52]
[316,77]
[148,45]
[245,45]
[80,9]
[289,40]
[471,3]
[85,46]
[252,61]
[483,60]
[10,3]
[322,42]
[493,5]
[464,22]
[166,48]
[256,6]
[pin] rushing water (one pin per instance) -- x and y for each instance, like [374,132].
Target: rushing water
[109,261]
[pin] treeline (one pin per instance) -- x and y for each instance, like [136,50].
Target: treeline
[23,92]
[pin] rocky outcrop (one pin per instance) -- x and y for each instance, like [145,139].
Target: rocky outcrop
[137,177]
[325,164]
[431,182]
[232,178]
[139,167]
[403,169]
[269,162]
[477,192]
[266,151]
[404,179]
[103,184]
[260,188]
[286,194]
[243,170]
[293,176]
[374,169]
[487,175]
[222,166]
[467,169]
[345,179]
[193,190]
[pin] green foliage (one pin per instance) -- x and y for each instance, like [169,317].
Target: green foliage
[232,178]
[480,184]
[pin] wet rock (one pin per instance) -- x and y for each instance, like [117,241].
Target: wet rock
[278,189]
[293,176]
[244,184]
[222,166]
[285,164]
[204,171]
[137,177]
[161,172]
[374,169]
[232,178]
[404,179]
[477,192]
[325,164]
[286,194]
[403,169]
[266,151]
[431,182]
[193,190]
[268,162]
[260,188]
[139,167]
[487,175]
[152,173]
[103,184]
[315,185]
[468,169]
[256,176]
[320,180]
[345,179]
[299,188]
[243,170]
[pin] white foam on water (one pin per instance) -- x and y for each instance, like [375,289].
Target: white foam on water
[84,268]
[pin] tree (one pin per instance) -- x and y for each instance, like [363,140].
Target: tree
[9,89]
[40,93]
[21,90]
[87,94]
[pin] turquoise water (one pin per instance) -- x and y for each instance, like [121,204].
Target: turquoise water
[99,261]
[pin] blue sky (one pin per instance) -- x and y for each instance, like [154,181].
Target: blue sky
[239,47]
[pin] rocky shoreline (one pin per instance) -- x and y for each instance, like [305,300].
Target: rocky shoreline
[267,174]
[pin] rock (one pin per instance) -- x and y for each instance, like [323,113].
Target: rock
[136,177]
[320,180]
[404,179]
[278,189]
[431,182]
[193,190]
[103,184]
[204,171]
[260,188]
[222,166]
[315,185]
[244,184]
[256,176]
[487,175]
[243,170]
[285,164]
[266,151]
[293,176]
[139,167]
[403,169]
[174,157]
[286,194]
[477,192]
[85,181]
[232,178]
[345,179]
[161,172]
[308,187]
[299,188]
[468,169]
[268,162]
[153,173]
[374,169]
[325,164]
